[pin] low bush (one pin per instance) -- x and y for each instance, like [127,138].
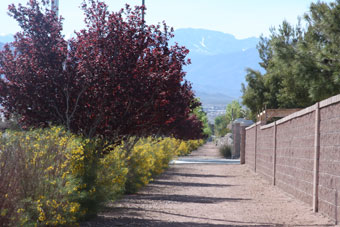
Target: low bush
[36,177]
[186,147]
[148,158]
[140,162]
[225,151]
[101,177]
[51,177]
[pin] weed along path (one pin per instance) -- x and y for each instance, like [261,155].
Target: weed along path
[202,189]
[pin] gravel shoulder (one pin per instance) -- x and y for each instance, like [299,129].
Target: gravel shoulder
[209,195]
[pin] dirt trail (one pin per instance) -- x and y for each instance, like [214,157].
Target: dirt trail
[209,195]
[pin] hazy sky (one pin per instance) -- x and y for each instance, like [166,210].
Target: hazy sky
[242,18]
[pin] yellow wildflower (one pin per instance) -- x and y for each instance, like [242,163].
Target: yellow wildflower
[50,168]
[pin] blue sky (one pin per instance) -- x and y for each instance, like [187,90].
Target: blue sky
[242,18]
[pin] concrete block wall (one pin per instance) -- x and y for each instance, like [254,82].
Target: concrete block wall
[237,140]
[329,168]
[264,155]
[301,154]
[250,147]
[294,157]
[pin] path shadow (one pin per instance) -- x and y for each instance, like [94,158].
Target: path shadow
[131,222]
[181,199]
[196,175]
[188,184]
[138,220]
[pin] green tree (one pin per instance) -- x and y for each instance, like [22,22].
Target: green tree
[234,110]
[254,93]
[322,41]
[202,116]
[286,89]
[300,65]
[221,125]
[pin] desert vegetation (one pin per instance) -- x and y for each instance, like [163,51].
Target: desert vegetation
[97,116]
[50,177]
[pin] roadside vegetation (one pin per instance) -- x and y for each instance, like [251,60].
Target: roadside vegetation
[96,116]
[300,63]
[225,150]
[234,110]
[52,177]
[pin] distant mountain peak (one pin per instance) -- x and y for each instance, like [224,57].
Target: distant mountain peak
[203,41]
[218,61]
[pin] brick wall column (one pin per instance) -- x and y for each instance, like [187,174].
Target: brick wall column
[316,158]
[237,140]
[255,147]
[243,145]
[336,206]
[274,154]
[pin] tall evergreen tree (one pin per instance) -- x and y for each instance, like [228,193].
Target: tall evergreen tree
[301,66]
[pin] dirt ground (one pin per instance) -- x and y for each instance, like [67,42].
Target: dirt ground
[209,195]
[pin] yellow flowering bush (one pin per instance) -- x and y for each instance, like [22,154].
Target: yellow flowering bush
[186,147]
[183,148]
[38,163]
[101,172]
[113,172]
[150,157]
[140,162]
[50,177]
[194,144]
[164,152]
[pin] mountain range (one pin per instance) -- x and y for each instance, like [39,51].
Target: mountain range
[218,63]
[5,39]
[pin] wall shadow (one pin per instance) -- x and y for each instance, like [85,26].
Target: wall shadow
[183,199]
[138,220]
[154,223]
[131,222]
[195,175]
[188,184]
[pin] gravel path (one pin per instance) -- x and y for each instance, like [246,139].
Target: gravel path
[209,195]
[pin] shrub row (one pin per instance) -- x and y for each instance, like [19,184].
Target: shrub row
[51,177]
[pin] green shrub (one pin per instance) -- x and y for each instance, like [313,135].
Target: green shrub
[52,177]
[36,180]
[101,177]
[225,151]
[149,157]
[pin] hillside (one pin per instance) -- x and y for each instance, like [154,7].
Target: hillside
[218,64]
